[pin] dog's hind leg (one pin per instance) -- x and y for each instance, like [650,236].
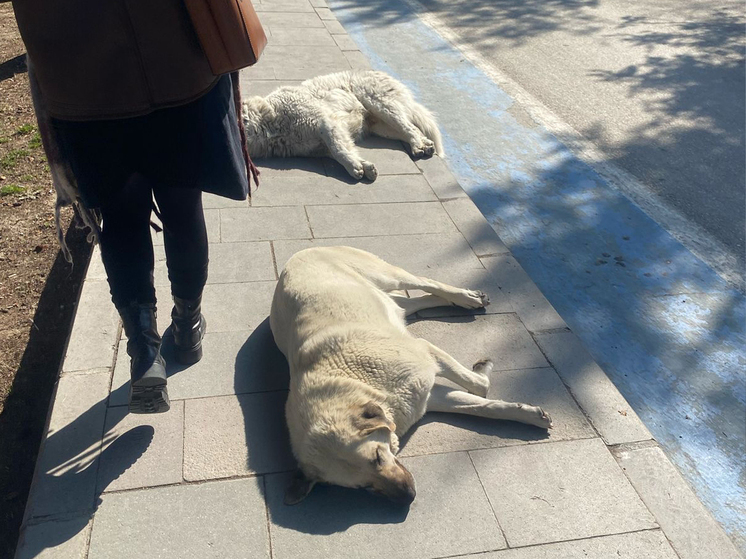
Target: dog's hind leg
[412,305]
[342,149]
[476,381]
[450,400]
[392,121]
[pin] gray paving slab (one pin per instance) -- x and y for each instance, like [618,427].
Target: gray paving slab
[95,330]
[289,167]
[559,491]
[441,432]
[157,440]
[310,69]
[65,477]
[263,88]
[449,516]
[289,20]
[344,42]
[415,253]
[264,224]
[468,278]
[500,337]
[55,539]
[309,37]
[607,409]
[470,221]
[437,173]
[356,59]
[229,263]
[333,26]
[401,218]
[96,269]
[228,307]
[236,436]
[261,71]
[291,56]
[527,300]
[690,527]
[210,520]
[326,14]
[287,6]
[213,201]
[233,363]
[649,544]
[315,190]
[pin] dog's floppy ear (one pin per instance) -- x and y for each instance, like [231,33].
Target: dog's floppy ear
[370,418]
[299,488]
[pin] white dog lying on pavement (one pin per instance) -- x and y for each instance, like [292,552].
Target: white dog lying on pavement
[324,116]
[358,379]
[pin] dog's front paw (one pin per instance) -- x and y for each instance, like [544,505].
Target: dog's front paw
[370,171]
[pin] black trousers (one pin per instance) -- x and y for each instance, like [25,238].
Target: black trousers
[127,248]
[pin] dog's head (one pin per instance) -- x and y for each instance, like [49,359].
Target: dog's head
[351,444]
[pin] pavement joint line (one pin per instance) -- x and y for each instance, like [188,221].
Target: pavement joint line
[275,391]
[267,516]
[632,446]
[569,390]
[487,495]
[529,546]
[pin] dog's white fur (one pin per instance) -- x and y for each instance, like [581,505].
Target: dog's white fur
[324,116]
[358,379]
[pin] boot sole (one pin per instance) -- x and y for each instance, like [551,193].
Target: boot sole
[149,399]
[189,356]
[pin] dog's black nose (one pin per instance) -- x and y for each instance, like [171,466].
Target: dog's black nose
[404,497]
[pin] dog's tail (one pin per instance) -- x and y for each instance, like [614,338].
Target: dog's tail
[425,121]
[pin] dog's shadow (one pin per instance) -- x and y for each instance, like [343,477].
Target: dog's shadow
[374,148]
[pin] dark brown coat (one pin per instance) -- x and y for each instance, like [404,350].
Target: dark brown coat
[103,59]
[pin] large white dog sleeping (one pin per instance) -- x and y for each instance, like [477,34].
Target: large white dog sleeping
[358,379]
[324,116]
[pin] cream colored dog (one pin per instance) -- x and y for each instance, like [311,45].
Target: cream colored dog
[324,116]
[358,379]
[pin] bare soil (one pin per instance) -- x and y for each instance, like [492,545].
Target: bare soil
[38,289]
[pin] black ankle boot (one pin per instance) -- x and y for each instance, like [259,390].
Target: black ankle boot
[188,327]
[148,392]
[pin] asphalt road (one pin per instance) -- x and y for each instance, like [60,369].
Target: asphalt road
[658,86]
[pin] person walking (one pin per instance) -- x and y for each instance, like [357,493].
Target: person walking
[137,115]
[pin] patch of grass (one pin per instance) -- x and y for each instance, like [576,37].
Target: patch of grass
[12,157]
[27,178]
[35,141]
[4,140]
[25,129]
[9,189]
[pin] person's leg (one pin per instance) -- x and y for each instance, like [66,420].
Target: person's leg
[185,240]
[127,253]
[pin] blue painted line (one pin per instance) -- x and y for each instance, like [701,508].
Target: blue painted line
[665,327]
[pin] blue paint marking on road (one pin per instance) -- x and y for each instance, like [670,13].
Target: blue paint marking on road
[664,326]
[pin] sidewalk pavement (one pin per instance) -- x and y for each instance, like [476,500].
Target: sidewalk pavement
[207,478]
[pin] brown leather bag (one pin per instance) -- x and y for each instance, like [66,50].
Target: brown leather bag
[229,31]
